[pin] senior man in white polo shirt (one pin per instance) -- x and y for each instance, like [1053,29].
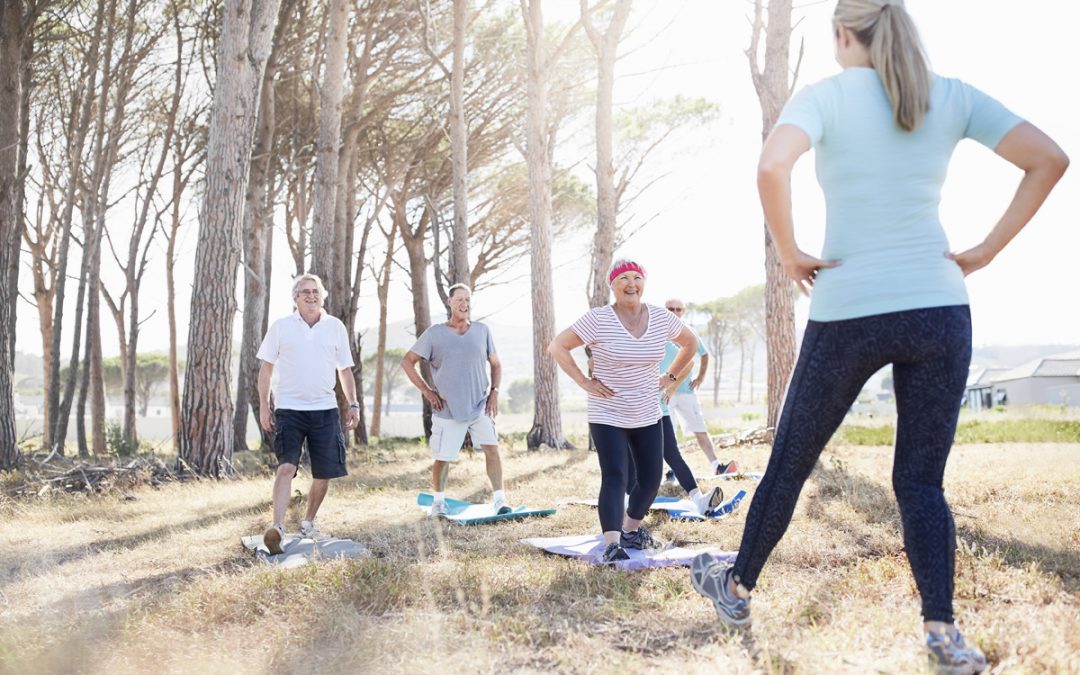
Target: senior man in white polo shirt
[310,350]
[462,398]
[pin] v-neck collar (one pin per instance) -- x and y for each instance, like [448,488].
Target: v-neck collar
[648,321]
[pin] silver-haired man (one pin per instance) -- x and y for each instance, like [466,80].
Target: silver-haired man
[310,350]
[463,399]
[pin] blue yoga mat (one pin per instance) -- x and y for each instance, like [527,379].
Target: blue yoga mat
[467,513]
[682,508]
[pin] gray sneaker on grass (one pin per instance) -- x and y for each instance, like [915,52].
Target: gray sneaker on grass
[951,655]
[710,578]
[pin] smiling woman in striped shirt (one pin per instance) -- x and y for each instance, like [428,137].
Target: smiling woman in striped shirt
[627,342]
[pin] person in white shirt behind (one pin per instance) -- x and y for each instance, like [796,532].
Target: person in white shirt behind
[310,350]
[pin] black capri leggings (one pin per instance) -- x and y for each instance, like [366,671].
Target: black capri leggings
[620,451]
[930,351]
[672,456]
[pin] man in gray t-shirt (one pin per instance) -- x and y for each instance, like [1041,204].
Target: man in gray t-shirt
[463,399]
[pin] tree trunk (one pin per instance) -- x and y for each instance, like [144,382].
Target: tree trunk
[257,229]
[414,246]
[11,36]
[606,47]
[170,301]
[717,366]
[323,241]
[93,347]
[547,419]
[773,90]
[459,149]
[383,292]
[206,414]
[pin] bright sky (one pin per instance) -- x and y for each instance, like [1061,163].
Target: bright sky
[707,239]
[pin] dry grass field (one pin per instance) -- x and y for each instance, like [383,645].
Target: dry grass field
[156,581]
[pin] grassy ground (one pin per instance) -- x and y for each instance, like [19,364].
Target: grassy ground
[156,581]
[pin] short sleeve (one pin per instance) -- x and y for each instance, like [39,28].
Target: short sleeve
[674,326]
[422,346]
[269,349]
[988,120]
[804,111]
[490,342]
[701,351]
[344,351]
[587,327]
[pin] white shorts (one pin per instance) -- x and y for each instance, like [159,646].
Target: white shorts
[689,413]
[448,435]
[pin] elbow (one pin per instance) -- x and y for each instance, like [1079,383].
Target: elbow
[1059,162]
[771,171]
[552,348]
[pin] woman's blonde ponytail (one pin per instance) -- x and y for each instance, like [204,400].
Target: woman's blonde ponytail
[885,28]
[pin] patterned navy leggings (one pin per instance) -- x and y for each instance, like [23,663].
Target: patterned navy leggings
[930,351]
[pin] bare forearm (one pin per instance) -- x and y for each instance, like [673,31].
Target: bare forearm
[265,375]
[1034,187]
[566,362]
[496,375]
[774,188]
[348,384]
[416,379]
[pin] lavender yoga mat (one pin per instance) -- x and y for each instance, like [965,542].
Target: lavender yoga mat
[590,548]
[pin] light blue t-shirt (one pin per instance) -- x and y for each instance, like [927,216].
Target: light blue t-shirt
[671,350]
[882,187]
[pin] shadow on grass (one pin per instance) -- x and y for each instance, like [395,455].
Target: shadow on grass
[877,504]
[43,561]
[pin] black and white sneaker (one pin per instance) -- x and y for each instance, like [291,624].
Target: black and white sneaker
[706,502]
[614,553]
[640,539]
[670,479]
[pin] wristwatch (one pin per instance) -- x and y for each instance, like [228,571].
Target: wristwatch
[494,389]
[671,377]
[354,405]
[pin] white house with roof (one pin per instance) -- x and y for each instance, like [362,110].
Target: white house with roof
[1051,380]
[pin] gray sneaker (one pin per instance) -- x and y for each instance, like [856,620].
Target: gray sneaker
[951,655]
[710,577]
[640,539]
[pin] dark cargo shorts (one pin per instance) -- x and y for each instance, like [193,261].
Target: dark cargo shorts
[325,442]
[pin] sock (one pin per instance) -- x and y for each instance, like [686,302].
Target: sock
[439,497]
[498,495]
[695,493]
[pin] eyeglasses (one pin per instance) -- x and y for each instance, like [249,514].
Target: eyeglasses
[677,310]
[308,291]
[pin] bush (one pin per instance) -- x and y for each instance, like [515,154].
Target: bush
[114,441]
[522,393]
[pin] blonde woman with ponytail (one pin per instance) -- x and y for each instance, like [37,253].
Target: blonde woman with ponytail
[886,290]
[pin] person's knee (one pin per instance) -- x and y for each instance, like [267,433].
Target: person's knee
[286,470]
[492,451]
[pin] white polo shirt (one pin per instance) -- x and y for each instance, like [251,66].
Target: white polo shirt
[307,359]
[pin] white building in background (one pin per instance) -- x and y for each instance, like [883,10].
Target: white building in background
[1053,380]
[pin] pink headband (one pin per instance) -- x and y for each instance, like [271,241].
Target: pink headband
[625,267]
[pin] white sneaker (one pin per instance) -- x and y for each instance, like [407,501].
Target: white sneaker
[308,530]
[438,510]
[707,501]
[272,538]
[502,507]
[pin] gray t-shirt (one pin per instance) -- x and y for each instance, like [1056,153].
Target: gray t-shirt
[459,365]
